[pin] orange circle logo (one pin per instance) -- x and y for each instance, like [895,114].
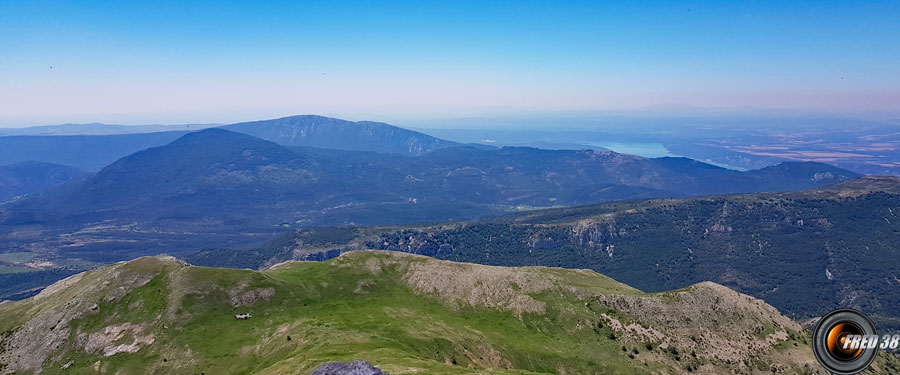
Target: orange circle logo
[837,337]
[845,341]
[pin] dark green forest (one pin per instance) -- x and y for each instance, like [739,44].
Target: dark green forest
[805,253]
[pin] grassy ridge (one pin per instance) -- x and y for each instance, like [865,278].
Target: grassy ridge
[328,318]
[403,313]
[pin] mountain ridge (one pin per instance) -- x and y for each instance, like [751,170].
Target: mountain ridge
[85,152]
[96,128]
[326,132]
[804,252]
[207,165]
[93,146]
[403,313]
[31,177]
[221,189]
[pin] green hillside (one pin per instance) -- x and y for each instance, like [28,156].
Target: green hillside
[403,313]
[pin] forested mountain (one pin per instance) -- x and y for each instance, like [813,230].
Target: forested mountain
[804,252]
[91,147]
[33,177]
[326,132]
[216,188]
[241,180]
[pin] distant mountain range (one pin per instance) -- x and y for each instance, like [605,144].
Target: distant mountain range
[805,237]
[32,177]
[302,130]
[239,181]
[93,146]
[182,192]
[217,188]
[99,129]
[804,252]
[85,152]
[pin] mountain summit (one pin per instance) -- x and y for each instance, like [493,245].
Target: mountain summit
[403,313]
[326,132]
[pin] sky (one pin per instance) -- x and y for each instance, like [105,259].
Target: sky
[142,62]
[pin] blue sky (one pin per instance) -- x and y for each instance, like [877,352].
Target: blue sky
[221,61]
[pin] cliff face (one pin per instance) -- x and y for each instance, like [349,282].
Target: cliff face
[402,313]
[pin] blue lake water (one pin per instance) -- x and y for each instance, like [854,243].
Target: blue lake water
[647,150]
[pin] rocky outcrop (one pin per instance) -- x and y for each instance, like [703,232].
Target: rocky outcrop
[351,368]
[26,348]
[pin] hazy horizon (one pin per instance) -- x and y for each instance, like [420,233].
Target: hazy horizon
[524,120]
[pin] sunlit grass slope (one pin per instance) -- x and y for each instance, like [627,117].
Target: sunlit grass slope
[401,312]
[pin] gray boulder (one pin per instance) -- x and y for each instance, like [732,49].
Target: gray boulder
[352,368]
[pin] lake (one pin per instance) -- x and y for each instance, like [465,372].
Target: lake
[647,150]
